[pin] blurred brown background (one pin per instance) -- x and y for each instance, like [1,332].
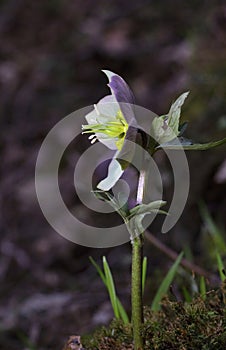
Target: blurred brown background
[51,57]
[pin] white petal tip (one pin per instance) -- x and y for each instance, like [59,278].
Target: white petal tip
[108,73]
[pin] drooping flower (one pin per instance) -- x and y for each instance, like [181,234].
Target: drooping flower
[112,122]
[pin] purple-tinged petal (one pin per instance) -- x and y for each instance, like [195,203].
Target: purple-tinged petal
[119,87]
[121,90]
[123,95]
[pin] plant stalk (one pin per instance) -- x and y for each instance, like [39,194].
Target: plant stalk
[136,280]
[136,292]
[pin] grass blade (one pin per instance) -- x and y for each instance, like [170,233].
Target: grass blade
[122,312]
[220,265]
[214,231]
[100,272]
[111,287]
[187,295]
[164,286]
[202,287]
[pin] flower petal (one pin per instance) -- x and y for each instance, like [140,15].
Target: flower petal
[120,88]
[123,95]
[94,118]
[108,107]
[109,143]
[91,117]
[114,173]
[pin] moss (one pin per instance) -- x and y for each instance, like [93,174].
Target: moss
[116,336]
[199,325]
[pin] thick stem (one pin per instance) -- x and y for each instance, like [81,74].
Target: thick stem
[136,292]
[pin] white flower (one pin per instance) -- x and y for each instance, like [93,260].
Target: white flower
[112,122]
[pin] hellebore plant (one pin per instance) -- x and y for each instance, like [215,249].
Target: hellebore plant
[113,123]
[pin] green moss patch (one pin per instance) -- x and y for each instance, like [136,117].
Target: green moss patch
[199,325]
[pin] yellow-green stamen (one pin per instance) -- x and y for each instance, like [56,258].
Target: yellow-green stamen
[114,130]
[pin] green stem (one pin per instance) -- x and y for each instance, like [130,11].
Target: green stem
[136,283]
[136,292]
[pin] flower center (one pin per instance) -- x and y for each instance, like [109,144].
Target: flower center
[113,130]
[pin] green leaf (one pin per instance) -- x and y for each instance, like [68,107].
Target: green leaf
[144,273]
[166,127]
[137,214]
[135,226]
[174,113]
[160,130]
[111,287]
[163,288]
[188,145]
[176,143]
[147,208]
[204,146]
